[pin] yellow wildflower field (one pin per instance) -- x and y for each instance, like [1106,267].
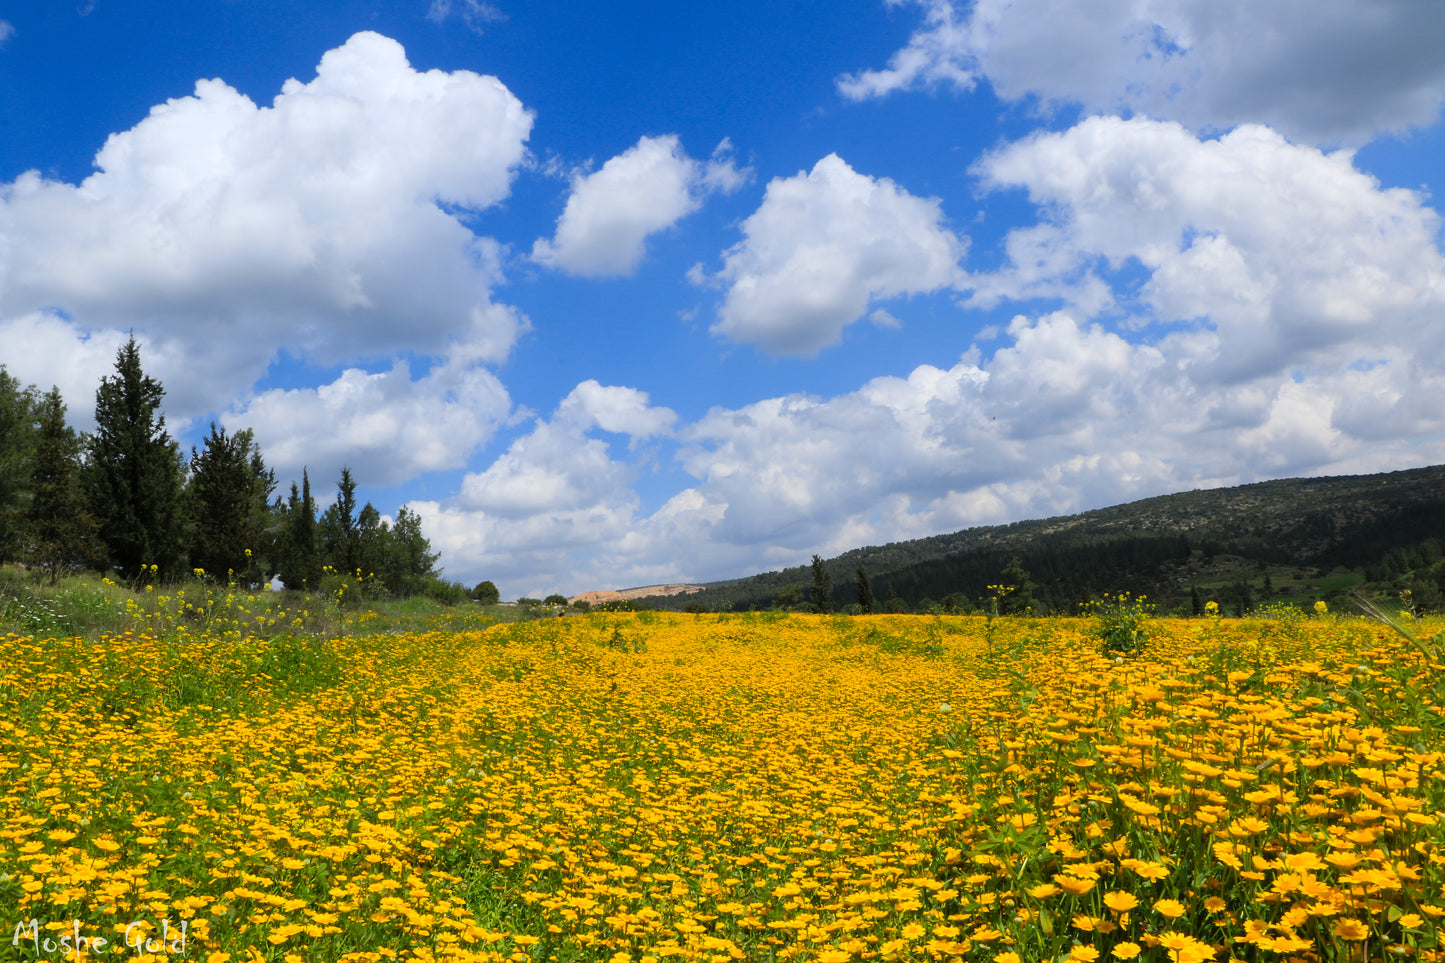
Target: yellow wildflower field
[631,787]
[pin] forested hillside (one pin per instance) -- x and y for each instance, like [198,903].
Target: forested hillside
[1292,539]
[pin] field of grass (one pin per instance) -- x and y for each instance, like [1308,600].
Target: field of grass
[631,787]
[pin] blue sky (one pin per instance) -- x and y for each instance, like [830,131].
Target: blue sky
[640,292]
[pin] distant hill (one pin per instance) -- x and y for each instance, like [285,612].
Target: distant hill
[646,591]
[1297,538]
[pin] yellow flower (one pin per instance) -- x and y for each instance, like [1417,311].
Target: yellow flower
[1169,908]
[912,931]
[1075,886]
[1120,901]
[283,933]
[1247,826]
[1009,957]
[1044,891]
[1084,954]
[1351,930]
[1126,951]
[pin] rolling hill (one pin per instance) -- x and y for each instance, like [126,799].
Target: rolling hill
[1298,538]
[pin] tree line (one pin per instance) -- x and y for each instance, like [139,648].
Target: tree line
[123,498]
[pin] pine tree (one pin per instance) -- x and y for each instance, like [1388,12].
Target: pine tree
[410,563]
[17,454]
[59,531]
[822,587]
[865,593]
[228,497]
[133,478]
[373,542]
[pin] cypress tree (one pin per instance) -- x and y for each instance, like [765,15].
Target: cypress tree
[133,479]
[59,531]
[822,587]
[300,563]
[1021,599]
[339,532]
[865,593]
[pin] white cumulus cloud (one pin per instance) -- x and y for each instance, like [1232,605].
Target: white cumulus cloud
[556,506]
[1271,255]
[821,248]
[388,427]
[325,223]
[611,212]
[1347,71]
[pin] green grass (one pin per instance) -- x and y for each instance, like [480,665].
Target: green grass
[89,605]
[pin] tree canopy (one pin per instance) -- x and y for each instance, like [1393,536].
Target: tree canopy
[135,473]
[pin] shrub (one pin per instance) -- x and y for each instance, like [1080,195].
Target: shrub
[1121,618]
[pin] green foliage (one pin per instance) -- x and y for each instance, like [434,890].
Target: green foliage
[865,593]
[407,564]
[1431,647]
[228,499]
[73,607]
[134,473]
[58,529]
[17,449]
[555,599]
[1121,618]
[447,593]
[339,531]
[299,562]
[486,593]
[614,605]
[822,587]
[1020,600]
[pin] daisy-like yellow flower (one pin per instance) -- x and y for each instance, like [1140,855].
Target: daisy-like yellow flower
[1247,826]
[1120,901]
[1009,957]
[283,933]
[1044,891]
[1125,951]
[912,931]
[1147,869]
[834,956]
[1169,908]
[1075,885]
[1351,931]
[1083,954]
[1303,861]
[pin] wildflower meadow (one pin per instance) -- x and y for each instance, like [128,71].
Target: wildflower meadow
[648,787]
